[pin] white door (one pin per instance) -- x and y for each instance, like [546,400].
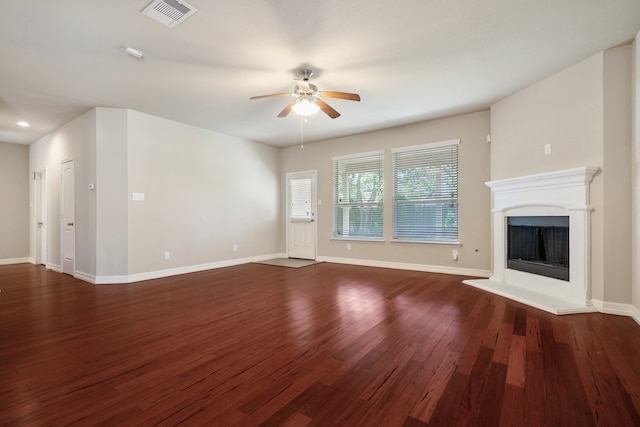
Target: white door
[41,217]
[301,215]
[68,217]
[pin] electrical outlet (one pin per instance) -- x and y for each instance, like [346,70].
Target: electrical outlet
[235,247]
[348,246]
[167,255]
[547,149]
[454,254]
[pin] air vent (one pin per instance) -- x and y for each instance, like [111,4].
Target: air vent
[169,12]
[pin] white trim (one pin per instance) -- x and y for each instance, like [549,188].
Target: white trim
[613,307]
[407,266]
[9,261]
[635,314]
[560,193]
[428,242]
[540,301]
[542,181]
[356,239]
[358,155]
[426,146]
[158,274]
[53,267]
[84,276]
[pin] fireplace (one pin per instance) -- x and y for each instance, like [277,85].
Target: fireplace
[548,266]
[539,245]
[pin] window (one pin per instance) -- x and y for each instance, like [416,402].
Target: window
[425,192]
[300,199]
[358,196]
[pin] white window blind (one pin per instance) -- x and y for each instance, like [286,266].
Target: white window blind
[425,192]
[300,199]
[358,196]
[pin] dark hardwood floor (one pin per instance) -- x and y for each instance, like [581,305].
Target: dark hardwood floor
[327,345]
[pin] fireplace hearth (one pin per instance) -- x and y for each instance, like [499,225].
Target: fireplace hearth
[542,240]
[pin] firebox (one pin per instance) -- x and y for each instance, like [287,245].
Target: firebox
[539,245]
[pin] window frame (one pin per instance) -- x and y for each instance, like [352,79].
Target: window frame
[440,229]
[358,160]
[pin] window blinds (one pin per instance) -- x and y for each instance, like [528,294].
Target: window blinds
[425,192]
[358,196]
[300,199]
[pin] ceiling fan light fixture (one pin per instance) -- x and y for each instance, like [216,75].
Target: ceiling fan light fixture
[304,107]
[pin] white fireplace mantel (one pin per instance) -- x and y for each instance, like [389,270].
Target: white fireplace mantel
[561,193]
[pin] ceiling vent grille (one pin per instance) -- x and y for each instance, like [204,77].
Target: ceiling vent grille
[169,12]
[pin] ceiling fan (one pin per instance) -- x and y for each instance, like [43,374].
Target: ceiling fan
[308,99]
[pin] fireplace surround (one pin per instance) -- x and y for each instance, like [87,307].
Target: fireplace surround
[562,193]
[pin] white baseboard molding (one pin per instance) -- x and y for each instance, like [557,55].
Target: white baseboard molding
[407,266]
[635,314]
[9,261]
[84,276]
[132,278]
[54,267]
[615,308]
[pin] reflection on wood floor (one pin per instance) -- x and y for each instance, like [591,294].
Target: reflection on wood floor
[324,345]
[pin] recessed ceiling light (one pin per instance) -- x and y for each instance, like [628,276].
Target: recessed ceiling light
[23,124]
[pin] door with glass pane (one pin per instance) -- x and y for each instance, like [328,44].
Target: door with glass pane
[301,217]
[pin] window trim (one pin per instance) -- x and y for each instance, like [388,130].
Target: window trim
[335,204]
[433,145]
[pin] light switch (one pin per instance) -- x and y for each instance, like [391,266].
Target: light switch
[138,197]
[547,148]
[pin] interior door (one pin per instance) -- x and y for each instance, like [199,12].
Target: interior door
[41,217]
[301,215]
[68,217]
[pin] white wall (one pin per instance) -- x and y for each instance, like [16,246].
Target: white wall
[77,140]
[112,226]
[617,175]
[14,210]
[635,164]
[204,192]
[474,196]
[584,113]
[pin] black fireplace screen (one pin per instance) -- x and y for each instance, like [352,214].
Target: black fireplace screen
[539,245]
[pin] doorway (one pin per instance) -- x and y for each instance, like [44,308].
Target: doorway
[301,215]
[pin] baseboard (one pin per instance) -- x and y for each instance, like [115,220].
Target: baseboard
[158,274]
[9,261]
[615,308]
[85,277]
[635,314]
[54,267]
[407,266]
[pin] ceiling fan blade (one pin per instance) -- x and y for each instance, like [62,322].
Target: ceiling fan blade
[268,96]
[326,108]
[341,95]
[285,112]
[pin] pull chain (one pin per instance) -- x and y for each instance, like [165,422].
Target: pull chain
[303,120]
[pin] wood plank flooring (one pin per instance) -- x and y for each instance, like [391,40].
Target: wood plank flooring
[323,345]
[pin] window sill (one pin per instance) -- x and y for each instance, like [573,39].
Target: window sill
[356,239]
[428,242]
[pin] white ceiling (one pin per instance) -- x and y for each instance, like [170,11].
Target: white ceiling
[410,60]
